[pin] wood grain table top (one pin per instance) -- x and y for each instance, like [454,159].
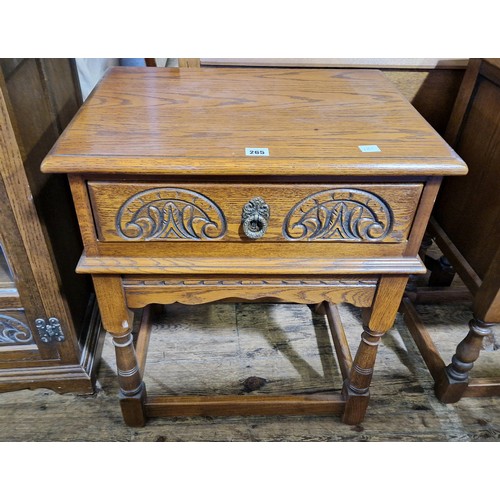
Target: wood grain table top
[152,121]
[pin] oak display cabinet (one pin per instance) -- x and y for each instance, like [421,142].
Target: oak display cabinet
[50,331]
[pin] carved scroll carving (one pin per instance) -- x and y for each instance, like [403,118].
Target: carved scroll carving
[13,330]
[340,214]
[170,214]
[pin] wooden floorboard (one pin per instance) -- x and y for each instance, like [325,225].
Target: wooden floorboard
[218,349]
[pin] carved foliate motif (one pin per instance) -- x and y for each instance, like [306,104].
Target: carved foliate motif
[170,214]
[340,214]
[13,330]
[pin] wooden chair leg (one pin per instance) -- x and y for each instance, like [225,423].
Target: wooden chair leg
[456,375]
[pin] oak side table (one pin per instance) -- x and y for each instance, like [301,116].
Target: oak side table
[303,186]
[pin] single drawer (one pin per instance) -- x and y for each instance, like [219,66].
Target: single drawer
[133,212]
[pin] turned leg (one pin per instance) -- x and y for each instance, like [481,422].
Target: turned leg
[456,375]
[117,321]
[356,387]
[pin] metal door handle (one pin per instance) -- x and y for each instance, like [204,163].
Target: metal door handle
[255,218]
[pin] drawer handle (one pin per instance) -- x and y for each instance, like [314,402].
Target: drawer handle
[255,218]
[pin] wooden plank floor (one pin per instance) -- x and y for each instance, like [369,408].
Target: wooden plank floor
[217,348]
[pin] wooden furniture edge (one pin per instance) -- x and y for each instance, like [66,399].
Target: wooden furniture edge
[340,63]
[210,266]
[220,167]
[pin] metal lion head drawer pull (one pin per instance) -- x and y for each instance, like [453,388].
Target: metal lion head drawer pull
[255,218]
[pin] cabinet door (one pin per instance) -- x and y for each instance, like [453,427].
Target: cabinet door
[16,338]
[25,260]
[38,324]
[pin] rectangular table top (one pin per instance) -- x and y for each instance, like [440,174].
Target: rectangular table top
[196,121]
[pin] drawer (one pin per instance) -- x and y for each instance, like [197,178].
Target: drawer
[215,212]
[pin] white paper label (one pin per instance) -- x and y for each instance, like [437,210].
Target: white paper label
[369,148]
[257,151]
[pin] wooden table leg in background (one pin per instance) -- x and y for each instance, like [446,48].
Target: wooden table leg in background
[385,307]
[117,319]
[453,385]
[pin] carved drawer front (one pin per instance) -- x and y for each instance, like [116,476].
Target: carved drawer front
[134,212]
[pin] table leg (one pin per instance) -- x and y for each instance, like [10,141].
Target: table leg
[456,375]
[117,321]
[385,307]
